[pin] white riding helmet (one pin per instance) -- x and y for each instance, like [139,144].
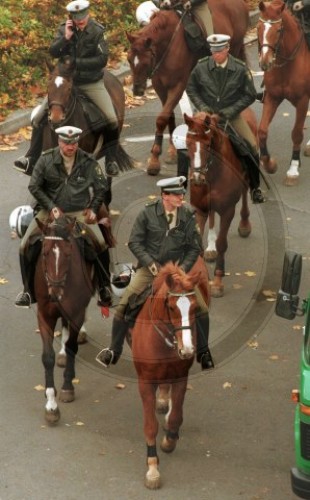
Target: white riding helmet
[120,278]
[144,12]
[20,219]
[179,136]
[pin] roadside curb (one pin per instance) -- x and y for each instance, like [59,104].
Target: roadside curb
[21,118]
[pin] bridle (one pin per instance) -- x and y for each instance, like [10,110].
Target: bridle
[53,283]
[276,47]
[67,109]
[167,331]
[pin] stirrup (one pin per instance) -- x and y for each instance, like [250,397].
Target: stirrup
[27,296]
[100,361]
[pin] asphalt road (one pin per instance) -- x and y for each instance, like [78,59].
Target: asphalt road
[236,441]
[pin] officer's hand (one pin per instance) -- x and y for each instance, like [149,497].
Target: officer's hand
[154,268]
[55,213]
[187,5]
[89,216]
[298,6]
[69,29]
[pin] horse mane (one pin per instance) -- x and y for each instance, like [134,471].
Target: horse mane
[158,21]
[175,273]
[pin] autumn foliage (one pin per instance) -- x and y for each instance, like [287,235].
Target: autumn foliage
[27,28]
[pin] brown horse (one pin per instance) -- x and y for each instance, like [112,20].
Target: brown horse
[217,182]
[63,288]
[66,106]
[159,51]
[163,349]
[285,58]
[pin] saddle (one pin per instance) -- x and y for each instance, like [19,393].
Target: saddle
[194,35]
[135,304]
[94,116]
[240,146]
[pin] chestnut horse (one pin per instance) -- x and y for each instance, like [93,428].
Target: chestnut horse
[163,350]
[159,51]
[217,182]
[285,58]
[65,108]
[63,288]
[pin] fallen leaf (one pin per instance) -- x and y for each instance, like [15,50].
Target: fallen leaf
[75,381]
[120,386]
[274,357]
[114,212]
[250,273]
[237,287]
[297,327]
[39,387]
[80,424]
[269,293]
[253,344]
[226,385]
[189,387]
[152,197]
[3,281]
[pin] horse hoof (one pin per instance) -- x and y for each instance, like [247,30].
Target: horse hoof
[61,360]
[152,170]
[162,406]
[82,338]
[152,480]
[210,255]
[244,232]
[291,180]
[168,445]
[217,291]
[52,416]
[66,396]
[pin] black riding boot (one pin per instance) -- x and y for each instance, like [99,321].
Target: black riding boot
[27,268]
[26,163]
[111,154]
[111,355]
[103,278]
[203,353]
[254,180]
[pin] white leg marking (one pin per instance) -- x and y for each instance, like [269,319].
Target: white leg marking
[211,241]
[51,404]
[293,171]
[64,338]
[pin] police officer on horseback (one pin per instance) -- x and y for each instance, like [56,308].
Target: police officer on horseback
[223,85]
[82,38]
[66,180]
[301,9]
[164,231]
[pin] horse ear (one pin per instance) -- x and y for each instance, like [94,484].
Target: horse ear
[170,281]
[261,6]
[49,65]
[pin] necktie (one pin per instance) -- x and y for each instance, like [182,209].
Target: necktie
[170,218]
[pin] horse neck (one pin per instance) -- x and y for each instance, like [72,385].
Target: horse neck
[291,35]
[168,34]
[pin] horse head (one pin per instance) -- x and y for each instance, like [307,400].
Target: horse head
[180,305]
[59,90]
[141,60]
[56,253]
[269,32]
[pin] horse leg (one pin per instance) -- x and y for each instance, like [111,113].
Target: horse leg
[148,395]
[67,391]
[174,418]
[270,107]
[210,251]
[46,327]
[217,286]
[244,228]
[297,135]
[171,158]
[163,398]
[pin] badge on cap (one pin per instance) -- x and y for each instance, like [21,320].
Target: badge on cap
[78,8]
[172,185]
[218,42]
[68,134]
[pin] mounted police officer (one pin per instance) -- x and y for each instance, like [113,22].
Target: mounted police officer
[164,231]
[223,85]
[81,37]
[302,11]
[65,180]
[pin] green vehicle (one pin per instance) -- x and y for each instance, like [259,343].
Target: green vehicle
[288,307]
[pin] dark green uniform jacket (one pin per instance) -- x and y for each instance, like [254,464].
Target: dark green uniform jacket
[88,47]
[52,187]
[151,240]
[224,91]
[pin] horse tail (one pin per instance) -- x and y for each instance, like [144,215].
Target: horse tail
[123,159]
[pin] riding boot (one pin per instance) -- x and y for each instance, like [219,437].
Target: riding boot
[254,180]
[111,355]
[203,353]
[26,163]
[111,153]
[27,268]
[101,264]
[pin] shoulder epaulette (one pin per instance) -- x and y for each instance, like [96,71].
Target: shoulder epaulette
[203,59]
[238,61]
[151,203]
[47,151]
[99,24]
